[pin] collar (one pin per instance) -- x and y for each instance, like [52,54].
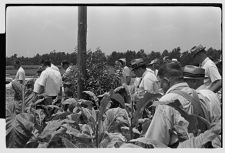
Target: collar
[146,71]
[177,86]
[205,60]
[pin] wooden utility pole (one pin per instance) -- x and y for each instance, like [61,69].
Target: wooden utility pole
[81,41]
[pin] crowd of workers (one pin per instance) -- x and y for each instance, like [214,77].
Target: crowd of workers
[186,92]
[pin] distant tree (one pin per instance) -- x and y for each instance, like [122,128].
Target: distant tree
[175,53]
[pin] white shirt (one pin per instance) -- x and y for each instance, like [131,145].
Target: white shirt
[54,67]
[213,104]
[126,71]
[149,82]
[36,85]
[68,71]
[51,80]
[211,72]
[20,75]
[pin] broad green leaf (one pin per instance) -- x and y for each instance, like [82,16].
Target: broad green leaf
[51,127]
[140,106]
[147,141]
[70,101]
[60,115]
[92,95]
[68,143]
[75,117]
[118,98]
[78,135]
[112,140]
[114,118]
[87,129]
[18,128]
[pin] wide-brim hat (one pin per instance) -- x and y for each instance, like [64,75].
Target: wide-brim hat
[122,60]
[197,49]
[136,63]
[193,72]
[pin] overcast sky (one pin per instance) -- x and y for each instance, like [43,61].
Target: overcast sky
[35,29]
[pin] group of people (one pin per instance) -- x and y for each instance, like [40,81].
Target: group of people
[49,81]
[187,115]
[189,112]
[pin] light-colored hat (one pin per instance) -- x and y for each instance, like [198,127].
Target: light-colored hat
[197,49]
[174,60]
[122,60]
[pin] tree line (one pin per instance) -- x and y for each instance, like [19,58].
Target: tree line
[98,56]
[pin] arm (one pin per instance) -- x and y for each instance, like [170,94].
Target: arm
[41,89]
[215,77]
[216,85]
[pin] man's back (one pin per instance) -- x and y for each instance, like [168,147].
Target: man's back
[51,80]
[20,75]
[212,103]
[149,82]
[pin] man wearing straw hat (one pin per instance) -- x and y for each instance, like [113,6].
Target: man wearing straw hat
[213,78]
[174,119]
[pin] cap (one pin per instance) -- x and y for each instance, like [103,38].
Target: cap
[136,63]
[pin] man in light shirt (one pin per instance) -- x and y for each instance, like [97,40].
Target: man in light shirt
[50,81]
[36,83]
[148,81]
[126,72]
[67,69]
[20,75]
[168,125]
[213,78]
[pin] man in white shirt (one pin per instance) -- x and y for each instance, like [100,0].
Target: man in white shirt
[148,81]
[36,83]
[20,75]
[213,78]
[167,118]
[50,81]
[121,67]
[67,68]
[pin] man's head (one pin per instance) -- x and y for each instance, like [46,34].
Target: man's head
[170,74]
[17,64]
[138,67]
[46,63]
[194,76]
[198,54]
[65,64]
[154,64]
[118,64]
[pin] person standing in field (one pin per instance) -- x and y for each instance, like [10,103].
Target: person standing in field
[36,83]
[213,79]
[67,69]
[148,81]
[126,72]
[20,74]
[154,66]
[50,81]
